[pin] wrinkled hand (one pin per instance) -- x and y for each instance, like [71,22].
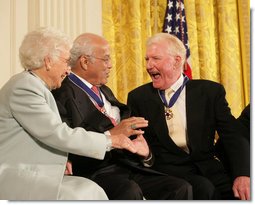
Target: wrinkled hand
[69,170]
[141,146]
[121,141]
[130,126]
[241,187]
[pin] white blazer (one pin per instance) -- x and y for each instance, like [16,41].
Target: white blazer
[34,142]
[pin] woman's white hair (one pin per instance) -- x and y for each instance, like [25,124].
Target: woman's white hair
[41,43]
[174,45]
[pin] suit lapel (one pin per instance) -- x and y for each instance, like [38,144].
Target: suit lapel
[156,112]
[89,113]
[82,100]
[195,113]
[124,110]
[90,117]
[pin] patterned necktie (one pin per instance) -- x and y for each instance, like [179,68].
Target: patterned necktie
[96,90]
[102,109]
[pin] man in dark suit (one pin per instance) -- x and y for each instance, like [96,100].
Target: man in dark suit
[85,101]
[181,129]
[244,126]
[244,120]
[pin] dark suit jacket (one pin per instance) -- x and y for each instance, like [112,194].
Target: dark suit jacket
[244,120]
[207,111]
[77,110]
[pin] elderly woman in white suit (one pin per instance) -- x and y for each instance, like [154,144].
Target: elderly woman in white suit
[34,143]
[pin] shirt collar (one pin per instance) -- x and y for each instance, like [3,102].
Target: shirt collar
[177,84]
[83,80]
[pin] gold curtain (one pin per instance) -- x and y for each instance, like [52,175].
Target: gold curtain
[219,37]
[126,25]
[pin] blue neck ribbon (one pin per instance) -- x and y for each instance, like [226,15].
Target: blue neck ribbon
[85,88]
[176,94]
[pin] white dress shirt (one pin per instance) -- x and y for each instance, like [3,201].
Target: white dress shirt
[177,125]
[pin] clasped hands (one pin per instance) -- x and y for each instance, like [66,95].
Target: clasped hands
[120,138]
[132,126]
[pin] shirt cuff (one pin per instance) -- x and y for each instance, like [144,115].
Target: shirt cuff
[148,161]
[107,133]
[108,142]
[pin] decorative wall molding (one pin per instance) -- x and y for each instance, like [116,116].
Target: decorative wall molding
[18,17]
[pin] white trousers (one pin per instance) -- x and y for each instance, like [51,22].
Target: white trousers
[79,188]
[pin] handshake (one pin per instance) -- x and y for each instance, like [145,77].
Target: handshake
[120,136]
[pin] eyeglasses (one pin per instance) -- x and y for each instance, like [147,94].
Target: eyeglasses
[67,61]
[106,60]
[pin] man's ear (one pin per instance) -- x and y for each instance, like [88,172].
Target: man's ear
[178,60]
[84,62]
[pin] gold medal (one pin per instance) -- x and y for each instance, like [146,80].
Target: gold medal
[168,113]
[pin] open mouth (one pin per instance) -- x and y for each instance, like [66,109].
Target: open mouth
[155,75]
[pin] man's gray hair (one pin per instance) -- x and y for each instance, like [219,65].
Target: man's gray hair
[81,46]
[175,45]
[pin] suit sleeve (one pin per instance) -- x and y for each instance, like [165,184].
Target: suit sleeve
[244,121]
[132,104]
[67,108]
[232,139]
[42,121]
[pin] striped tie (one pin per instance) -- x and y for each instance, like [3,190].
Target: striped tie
[96,90]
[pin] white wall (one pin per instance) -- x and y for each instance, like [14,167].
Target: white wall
[17,17]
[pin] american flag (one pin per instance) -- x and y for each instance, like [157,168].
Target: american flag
[175,23]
